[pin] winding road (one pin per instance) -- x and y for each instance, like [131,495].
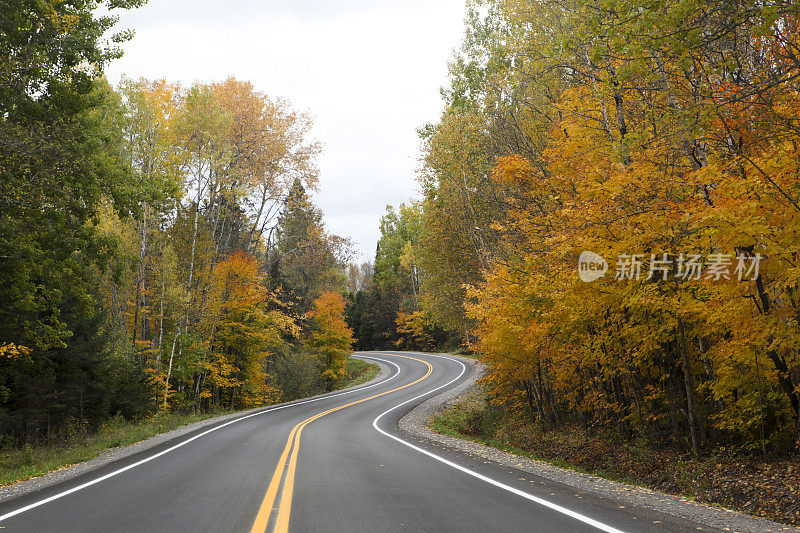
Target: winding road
[328,464]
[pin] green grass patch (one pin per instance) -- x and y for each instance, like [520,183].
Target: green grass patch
[360,372]
[31,461]
[455,422]
[462,351]
[471,418]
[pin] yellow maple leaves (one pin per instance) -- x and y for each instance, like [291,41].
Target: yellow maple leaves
[330,339]
[643,145]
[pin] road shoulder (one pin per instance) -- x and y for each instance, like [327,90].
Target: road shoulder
[123,452]
[416,423]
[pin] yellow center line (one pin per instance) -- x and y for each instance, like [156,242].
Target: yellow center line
[293,446]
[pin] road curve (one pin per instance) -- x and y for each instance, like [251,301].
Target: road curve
[335,463]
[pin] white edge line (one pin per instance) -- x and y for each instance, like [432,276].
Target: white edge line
[183,443]
[583,518]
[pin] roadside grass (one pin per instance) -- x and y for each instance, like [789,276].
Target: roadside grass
[30,461]
[446,423]
[459,421]
[462,351]
[360,372]
[760,486]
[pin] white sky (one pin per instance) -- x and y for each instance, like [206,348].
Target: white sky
[369,71]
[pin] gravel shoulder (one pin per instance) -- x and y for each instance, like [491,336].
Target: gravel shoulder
[115,454]
[416,423]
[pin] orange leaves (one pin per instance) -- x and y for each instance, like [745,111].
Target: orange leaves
[10,350]
[629,133]
[266,139]
[513,170]
[588,343]
[237,283]
[330,330]
[330,339]
[243,332]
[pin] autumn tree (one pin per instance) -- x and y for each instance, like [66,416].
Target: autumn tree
[306,260]
[639,128]
[226,156]
[245,337]
[330,340]
[137,231]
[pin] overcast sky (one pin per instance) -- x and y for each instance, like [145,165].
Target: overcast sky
[369,71]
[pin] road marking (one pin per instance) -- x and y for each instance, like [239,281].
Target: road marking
[279,473]
[293,442]
[555,507]
[181,444]
[282,523]
[262,518]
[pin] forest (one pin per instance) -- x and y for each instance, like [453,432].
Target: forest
[159,248]
[663,133]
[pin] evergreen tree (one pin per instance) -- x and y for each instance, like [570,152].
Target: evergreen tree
[60,156]
[304,254]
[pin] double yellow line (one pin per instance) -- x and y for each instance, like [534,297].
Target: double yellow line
[293,447]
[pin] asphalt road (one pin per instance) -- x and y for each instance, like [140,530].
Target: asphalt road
[336,463]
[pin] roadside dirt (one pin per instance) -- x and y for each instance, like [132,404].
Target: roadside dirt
[767,487]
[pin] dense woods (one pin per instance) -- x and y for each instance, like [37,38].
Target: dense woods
[158,246]
[159,249]
[623,128]
[385,310]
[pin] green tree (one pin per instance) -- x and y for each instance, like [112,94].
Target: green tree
[308,260]
[60,156]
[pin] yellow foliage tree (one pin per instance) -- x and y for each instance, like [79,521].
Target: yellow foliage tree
[330,339]
[618,130]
